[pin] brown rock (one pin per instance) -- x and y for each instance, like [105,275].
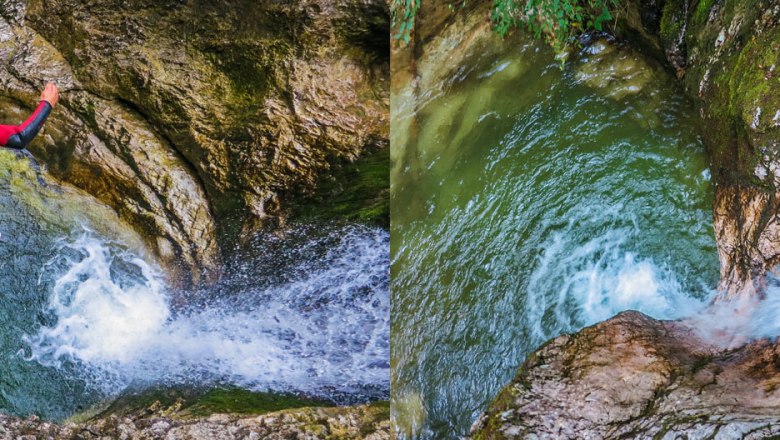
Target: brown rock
[635,377]
[192,120]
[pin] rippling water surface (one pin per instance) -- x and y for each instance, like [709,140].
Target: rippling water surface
[529,201]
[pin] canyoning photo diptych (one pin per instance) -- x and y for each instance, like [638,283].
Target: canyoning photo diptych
[584,219]
[194,233]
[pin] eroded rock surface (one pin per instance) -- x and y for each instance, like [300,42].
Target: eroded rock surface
[360,422]
[635,377]
[615,71]
[194,120]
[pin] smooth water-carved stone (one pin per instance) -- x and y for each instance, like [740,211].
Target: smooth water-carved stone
[614,71]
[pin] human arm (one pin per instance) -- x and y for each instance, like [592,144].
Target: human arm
[19,136]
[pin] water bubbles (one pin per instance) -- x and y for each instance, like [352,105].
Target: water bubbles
[584,284]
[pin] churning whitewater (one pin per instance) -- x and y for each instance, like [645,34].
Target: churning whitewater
[590,282]
[110,319]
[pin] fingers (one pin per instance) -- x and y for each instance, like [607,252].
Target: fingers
[50,93]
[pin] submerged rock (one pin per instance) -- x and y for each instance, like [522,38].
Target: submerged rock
[635,377]
[408,414]
[614,71]
[195,120]
[59,209]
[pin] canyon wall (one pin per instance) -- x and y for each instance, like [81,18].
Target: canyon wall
[199,122]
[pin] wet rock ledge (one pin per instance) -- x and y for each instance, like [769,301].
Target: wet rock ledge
[371,422]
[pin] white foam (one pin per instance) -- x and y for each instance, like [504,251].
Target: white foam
[575,286]
[327,331]
[732,323]
[96,319]
[594,281]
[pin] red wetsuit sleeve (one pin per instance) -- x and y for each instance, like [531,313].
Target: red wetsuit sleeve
[6,131]
[18,136]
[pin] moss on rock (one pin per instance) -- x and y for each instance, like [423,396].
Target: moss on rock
[252,102]
[357,191]
[726,54]
[200,414]
[182,402]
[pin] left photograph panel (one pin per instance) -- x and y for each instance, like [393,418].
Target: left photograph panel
[194,226]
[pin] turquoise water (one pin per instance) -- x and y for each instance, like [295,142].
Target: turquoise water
[529,201]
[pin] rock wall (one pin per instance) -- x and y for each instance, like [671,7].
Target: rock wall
[727,55]
[197,120]
[635,377]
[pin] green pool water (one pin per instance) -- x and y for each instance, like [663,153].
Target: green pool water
[528,201]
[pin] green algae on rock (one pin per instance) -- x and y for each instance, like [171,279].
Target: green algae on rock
[158,421]
[204,413]
[356,191]
[60,207]
[190,403]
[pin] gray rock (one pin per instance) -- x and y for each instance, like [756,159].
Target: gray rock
[358,422]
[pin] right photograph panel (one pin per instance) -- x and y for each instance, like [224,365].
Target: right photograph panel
[584,219]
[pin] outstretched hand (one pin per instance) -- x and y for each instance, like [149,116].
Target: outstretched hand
[50,94]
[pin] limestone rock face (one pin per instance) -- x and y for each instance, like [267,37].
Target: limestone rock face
[194,120]
[359,422]
[727,55]
[635,377]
